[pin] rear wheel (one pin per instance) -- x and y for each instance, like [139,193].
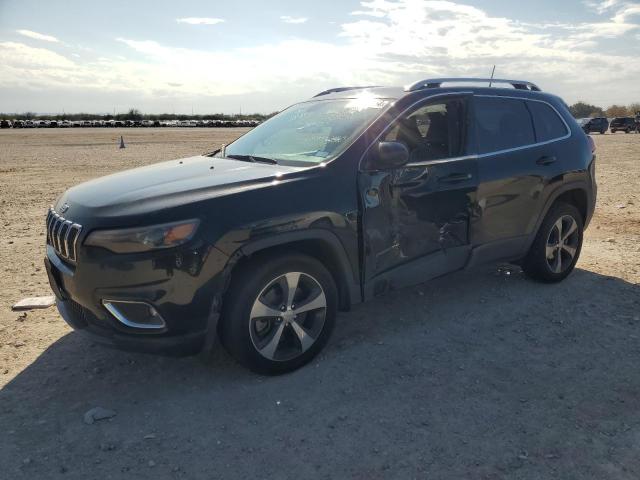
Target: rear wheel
[279,312]
[557,245]
[628,130]
[602,132]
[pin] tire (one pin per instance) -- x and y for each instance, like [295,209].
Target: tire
[602,132]
[541,263]
[628,130]
[270,344]
[613,131]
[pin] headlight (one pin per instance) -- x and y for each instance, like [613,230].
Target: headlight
[143,239]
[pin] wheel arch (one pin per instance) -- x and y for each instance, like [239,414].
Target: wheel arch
[574,193]
[320,244]
[578,198]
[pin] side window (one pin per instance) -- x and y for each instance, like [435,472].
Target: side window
[546,121]
[502,123]
[433,131]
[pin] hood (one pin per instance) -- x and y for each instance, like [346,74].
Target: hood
[168,184]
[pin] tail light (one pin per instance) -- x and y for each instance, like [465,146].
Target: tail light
[592,144]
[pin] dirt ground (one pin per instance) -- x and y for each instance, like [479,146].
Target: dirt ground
[481,374]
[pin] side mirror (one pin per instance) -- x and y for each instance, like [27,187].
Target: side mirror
[391,155]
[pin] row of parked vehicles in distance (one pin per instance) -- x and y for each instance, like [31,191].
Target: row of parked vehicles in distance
[618,124]
[125,123]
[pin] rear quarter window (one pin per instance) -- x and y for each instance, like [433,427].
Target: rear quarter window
[548,125]
[502,124]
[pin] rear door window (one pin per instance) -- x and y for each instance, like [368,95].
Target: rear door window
[548,125]
[502,124]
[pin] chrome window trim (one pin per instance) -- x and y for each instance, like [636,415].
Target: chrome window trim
[530,145]
[438,161]
[118,315]
[471,156]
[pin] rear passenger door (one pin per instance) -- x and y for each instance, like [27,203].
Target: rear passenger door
[517,161]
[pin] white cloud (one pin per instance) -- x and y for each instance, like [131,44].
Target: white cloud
[200,20]
[38,36]
[624,14]
[444,38]
[256,69]
[601,6]
[20,55]
[294,20]
[385,42]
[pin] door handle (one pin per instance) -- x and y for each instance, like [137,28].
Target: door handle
[455,177]
[546,160]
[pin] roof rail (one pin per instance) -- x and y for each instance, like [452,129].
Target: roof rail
[342,89]
[437,82]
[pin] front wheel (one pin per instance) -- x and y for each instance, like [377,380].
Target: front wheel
[557,245]
[279,312]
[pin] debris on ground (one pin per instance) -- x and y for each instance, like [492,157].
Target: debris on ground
[98,413]
[507,270]
[31,303]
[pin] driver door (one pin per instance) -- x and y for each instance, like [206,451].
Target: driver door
[415,217]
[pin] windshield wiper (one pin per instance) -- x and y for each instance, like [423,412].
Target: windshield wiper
[211,154]
[252,158]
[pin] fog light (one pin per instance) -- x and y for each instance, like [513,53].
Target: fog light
[134,314]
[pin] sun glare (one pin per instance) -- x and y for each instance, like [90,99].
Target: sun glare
[364,101]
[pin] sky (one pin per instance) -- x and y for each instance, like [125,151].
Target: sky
[260,56]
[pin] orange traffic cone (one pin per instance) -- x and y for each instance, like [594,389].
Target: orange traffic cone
[122,142]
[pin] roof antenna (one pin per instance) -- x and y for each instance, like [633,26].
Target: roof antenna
[492,72]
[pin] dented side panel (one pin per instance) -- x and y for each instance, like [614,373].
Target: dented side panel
[415,211]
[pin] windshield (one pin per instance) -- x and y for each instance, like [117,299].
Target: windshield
[310,132]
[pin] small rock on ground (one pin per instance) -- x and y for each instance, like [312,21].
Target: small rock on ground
[98,413]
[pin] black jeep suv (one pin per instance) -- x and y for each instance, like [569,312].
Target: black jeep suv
[623,124]
[597,124]
[335,200]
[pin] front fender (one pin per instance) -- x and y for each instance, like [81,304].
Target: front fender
[334,235]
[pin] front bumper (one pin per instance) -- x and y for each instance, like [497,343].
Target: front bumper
[81,319]
[182,285]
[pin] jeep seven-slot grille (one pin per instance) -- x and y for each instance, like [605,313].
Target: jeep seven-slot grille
[62,235]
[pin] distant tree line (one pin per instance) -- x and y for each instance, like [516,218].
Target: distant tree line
[578,110]
[585,110]
[133,114]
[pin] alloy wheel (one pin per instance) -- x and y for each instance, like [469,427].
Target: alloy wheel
[562,244]
[288,316]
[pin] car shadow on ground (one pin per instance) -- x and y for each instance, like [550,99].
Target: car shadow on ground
[479,374]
